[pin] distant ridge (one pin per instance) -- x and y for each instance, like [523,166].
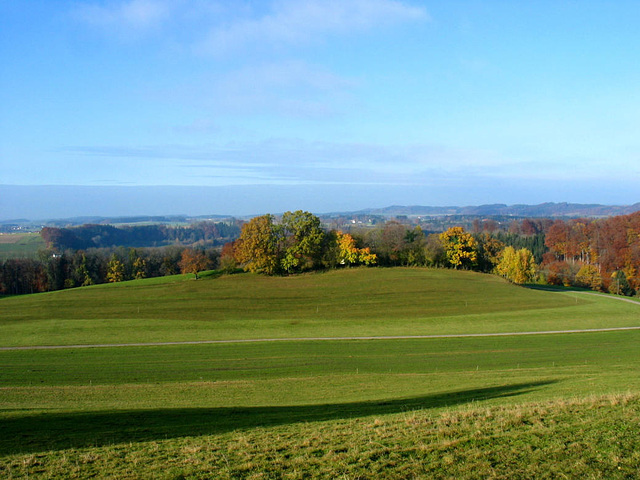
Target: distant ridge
[543,210]
[548,209]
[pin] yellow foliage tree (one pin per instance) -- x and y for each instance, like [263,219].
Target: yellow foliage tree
[460,247]
[588,276]
[115,270]
[349,254]
[518,266]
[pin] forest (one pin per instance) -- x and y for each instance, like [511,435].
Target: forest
[106,236]
[598,254]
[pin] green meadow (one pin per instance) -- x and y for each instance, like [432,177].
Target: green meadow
[544,406]
[351,302]
[20,245]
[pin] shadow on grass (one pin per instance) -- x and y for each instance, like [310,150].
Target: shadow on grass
[57,431]
[554,288]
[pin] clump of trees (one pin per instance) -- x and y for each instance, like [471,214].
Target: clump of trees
[601,254]
[296,243]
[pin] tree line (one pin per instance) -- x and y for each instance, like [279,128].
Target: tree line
[601,254]
[106,236]
[76,268]
[297,242]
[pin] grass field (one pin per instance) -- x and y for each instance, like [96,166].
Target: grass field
[543,406]
[20,245]
[356,302]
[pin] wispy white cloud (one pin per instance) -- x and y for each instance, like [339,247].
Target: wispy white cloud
[125,18]
[298,162]
[217,27]
[295,22]
[291,88]
[294,161]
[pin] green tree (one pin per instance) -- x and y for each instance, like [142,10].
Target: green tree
[434,254]
[489,250]
[302,237]
[82,272]
[460,247]
[620,284]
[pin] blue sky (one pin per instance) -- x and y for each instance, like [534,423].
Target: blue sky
[390,102]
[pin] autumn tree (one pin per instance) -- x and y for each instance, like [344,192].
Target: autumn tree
[349,254]
[460,247]
[517,266]
[557,240]
[589,277]
[257,249]
[559,273]
[115,270]
[294,244]
[193,261]
[227,258]
[393,243]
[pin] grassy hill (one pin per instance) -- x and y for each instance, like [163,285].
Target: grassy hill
[465,407]
[352,302]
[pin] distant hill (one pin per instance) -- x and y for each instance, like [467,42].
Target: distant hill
[542,210]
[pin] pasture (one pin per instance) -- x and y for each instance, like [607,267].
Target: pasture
[385,408]
[20,245]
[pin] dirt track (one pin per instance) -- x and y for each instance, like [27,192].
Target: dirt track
[299,339]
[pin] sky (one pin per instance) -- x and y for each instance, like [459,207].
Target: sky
[324,105]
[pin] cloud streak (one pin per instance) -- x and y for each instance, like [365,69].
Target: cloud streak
[129,18]
[294,161]
[292,88]
[219,28]
[294,22]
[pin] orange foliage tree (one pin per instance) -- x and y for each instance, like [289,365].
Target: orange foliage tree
[193,261]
